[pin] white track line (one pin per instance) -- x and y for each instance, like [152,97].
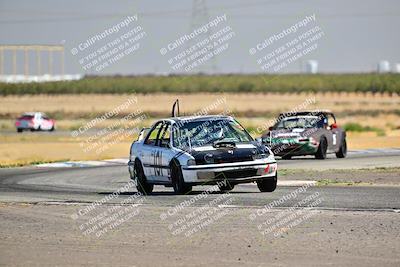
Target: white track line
[124,161]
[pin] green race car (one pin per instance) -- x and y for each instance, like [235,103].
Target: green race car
[306,133]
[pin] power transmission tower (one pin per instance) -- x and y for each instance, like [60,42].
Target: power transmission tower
[200,16]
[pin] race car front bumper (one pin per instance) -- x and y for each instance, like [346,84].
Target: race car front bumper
[293,147]
[236,173]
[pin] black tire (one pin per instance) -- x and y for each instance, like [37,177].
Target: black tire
[323,146]
[286,157]
[19,130]
[32,130]
[268,184]
[343,150]
[142,185]
[52,128]
[227,187]
[179,185]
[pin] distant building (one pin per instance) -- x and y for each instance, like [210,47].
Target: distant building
[397,68]
[312,66]
[383,66]
[39,78]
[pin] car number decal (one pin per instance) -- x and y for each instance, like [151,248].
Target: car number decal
[157,163]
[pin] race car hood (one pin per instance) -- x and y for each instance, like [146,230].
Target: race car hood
[241,152]
[288,133]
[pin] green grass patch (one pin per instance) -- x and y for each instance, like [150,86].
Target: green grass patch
[356,127]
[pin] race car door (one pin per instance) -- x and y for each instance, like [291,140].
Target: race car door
[149,150]
[163,154]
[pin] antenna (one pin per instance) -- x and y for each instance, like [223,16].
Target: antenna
[176,104]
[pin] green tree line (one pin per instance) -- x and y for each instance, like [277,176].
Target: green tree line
[291,83]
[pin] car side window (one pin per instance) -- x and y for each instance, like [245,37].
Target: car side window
[164,138]
[331,119]
[323,122]
[153,134]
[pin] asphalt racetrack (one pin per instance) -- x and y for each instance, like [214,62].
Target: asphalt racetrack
[75,184]
[350,225]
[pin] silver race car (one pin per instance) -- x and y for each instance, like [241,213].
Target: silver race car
[185,151]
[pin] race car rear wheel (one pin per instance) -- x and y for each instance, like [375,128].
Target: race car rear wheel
[142,185]
[268,184]
[343,150]
[179,185]
[321,152]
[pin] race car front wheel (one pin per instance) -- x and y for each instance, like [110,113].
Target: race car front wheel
[179,185]
[142,185]
[343,150]
[323,146]
[268,184]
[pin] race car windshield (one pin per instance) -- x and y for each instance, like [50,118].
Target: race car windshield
[298,122]
[200,133]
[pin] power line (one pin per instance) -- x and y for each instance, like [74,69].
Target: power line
[178,13]
[234,16]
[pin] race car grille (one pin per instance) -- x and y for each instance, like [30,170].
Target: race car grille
[235,174]
[224,160]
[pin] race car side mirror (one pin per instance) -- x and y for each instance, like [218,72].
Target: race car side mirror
[334,126]
[270,128]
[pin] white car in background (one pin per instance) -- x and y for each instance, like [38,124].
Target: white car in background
[35,121]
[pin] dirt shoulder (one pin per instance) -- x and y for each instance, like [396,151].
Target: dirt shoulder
[377,176]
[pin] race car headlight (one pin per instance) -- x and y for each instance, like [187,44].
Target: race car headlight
[191,162]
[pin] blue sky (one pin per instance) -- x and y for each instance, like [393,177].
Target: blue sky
[357,34]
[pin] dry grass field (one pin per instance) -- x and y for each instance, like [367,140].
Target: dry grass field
[377,110]
[381,113]
[30,148]
[75,105]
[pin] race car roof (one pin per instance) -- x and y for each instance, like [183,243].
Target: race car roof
[306,112]
[197,118]
[32,113]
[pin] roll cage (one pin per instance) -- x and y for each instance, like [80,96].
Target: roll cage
[161,128]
